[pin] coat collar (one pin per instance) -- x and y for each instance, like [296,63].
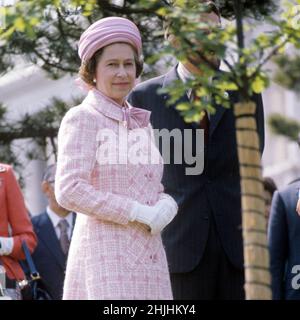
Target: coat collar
[105,105]
[130,116]
[214,119]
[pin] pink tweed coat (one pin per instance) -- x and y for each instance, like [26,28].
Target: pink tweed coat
[110,257]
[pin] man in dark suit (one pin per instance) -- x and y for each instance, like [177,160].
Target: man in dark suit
[203,243]
[284,243]
[53,229]
[298,203]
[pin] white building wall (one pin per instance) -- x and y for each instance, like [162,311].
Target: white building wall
[27,90]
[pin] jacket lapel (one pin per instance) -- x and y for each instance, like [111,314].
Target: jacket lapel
[47,235]
[215,118]
[170,77]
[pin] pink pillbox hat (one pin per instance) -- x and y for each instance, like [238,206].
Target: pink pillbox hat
[107,31]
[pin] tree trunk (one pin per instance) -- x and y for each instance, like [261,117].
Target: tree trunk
[256,254]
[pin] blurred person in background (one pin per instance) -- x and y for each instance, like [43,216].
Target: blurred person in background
[269,189]
[284,243]
[15,227]
[54,229]
[204,242]
[298,203]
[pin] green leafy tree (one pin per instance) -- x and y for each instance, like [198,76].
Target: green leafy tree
[7,155]
[49,40]
[288,73]
[284,126]
[40,127]
[46,33]
[247,76]
[288,76]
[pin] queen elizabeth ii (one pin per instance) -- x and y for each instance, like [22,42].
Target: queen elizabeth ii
[116,250]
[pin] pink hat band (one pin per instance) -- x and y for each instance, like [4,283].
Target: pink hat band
[105,32]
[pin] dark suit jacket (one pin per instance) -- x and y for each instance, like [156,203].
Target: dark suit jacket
[214,194]
[284,243]
[48,257]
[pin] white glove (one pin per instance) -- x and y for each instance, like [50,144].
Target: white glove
[156,217]
[167,210]
[6,245]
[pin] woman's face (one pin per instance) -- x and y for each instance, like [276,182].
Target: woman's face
[116,71]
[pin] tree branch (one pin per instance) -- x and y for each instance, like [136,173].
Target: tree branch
[268,57]
[23,133]
[50,64]
[126,10]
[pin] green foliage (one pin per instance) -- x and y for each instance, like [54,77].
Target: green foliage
[256,9]
[46,32]
[284,126]
[196,40]
[288,73]
[259,83]
[6,152]
[40,127]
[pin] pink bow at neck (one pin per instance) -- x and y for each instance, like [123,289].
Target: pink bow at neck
[134,118]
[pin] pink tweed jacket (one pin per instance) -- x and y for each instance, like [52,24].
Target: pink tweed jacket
[110,257]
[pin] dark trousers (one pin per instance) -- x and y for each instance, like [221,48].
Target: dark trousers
[214,278]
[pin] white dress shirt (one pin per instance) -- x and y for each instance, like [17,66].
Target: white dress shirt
[55,219]
[185,75]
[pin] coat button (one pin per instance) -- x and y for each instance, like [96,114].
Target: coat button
[149,175]
[154,258]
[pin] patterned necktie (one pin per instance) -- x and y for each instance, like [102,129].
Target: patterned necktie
[64,239]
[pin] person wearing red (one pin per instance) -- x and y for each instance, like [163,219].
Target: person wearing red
[15,226]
